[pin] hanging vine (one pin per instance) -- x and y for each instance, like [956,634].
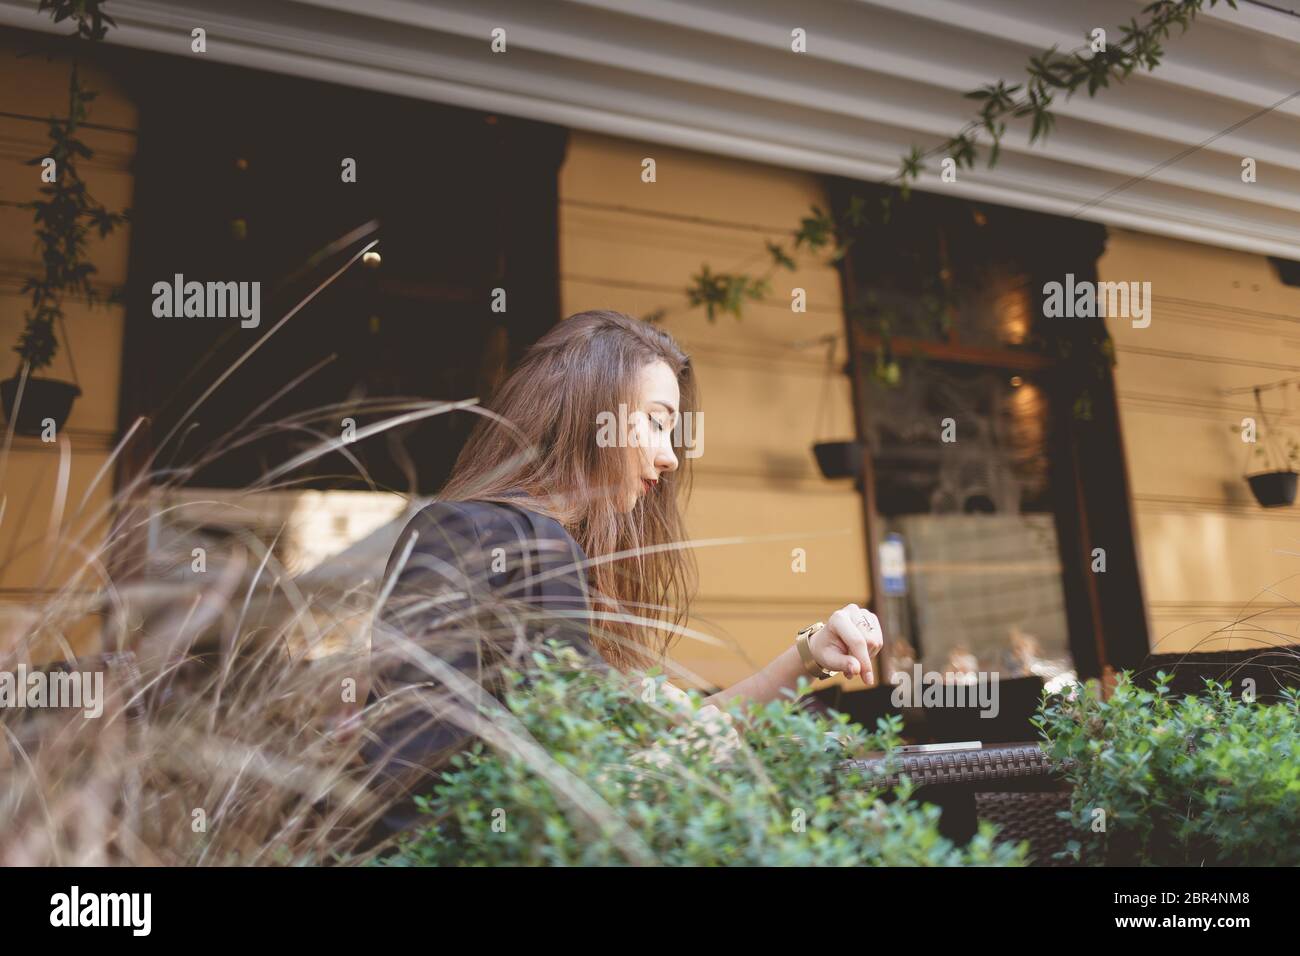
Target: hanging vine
[1051,74]
[66,215]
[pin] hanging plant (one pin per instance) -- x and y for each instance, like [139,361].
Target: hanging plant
[1271,468]
[835,459]
[65,215]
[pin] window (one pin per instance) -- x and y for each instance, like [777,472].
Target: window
[962,492]
[985,488]
[458,216]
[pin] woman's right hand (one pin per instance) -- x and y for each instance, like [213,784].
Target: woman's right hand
[848,642]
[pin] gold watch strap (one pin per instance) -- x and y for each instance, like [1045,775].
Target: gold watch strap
[810,665]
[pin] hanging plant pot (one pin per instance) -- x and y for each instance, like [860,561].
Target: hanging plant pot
[1273,489]
[839,459]
[42,398]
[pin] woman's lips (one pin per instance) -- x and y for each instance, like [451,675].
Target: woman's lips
[647,485]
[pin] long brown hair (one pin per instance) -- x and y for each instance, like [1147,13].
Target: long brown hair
[542,439]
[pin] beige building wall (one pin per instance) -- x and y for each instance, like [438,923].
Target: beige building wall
[34,87]
[1216,567]
[1209,554]
[633,246]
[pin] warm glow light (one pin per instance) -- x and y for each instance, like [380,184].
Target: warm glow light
[1027,432]
[1017,381]
[1012,308]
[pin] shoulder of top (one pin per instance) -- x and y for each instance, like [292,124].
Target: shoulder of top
[485,516]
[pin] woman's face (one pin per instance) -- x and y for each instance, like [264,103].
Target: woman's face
[651,423]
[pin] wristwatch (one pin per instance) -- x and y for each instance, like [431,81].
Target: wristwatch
[810,665]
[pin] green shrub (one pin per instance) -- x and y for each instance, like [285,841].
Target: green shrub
[616,778]
[1180,780]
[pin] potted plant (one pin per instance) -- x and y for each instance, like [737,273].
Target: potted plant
[835,459]
[839,459]
[1169,780]
[1274,489]
[1275,459]
[65,216]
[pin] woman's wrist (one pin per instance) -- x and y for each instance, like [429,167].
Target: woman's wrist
[802,644]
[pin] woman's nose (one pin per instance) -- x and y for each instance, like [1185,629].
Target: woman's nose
[665,459]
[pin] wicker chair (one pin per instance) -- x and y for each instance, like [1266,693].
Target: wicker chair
[1011,785]
[1034,817]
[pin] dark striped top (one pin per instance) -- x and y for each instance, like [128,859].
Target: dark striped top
[481,584]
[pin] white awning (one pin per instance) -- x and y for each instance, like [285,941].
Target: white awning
[1160,153]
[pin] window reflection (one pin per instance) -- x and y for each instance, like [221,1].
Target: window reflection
[964,503]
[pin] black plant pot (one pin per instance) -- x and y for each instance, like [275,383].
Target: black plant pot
[839,459]
[1273,489]
[42,398]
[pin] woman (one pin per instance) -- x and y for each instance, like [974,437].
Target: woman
[563,518]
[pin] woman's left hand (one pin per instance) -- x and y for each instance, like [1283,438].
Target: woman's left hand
[848,642]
